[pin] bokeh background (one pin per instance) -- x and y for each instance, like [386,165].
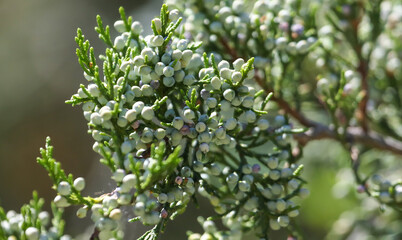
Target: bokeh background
[39,71]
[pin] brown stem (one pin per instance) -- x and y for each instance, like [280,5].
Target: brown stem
[353,135]
[362,110]
[95,234]
[293,112]
[232,52]
[355,157]
[361,113]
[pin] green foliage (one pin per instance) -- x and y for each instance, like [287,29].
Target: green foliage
[58,175]
[182,114]
[32,222]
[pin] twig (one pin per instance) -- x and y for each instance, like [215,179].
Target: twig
[363,70]
[95,234]
[353,135]
[355,157]
[230,50]
[362,110]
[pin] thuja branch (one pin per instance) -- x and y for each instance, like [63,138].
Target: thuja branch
[353,134]
[320,131]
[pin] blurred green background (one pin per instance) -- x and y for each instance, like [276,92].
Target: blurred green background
[39,71]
